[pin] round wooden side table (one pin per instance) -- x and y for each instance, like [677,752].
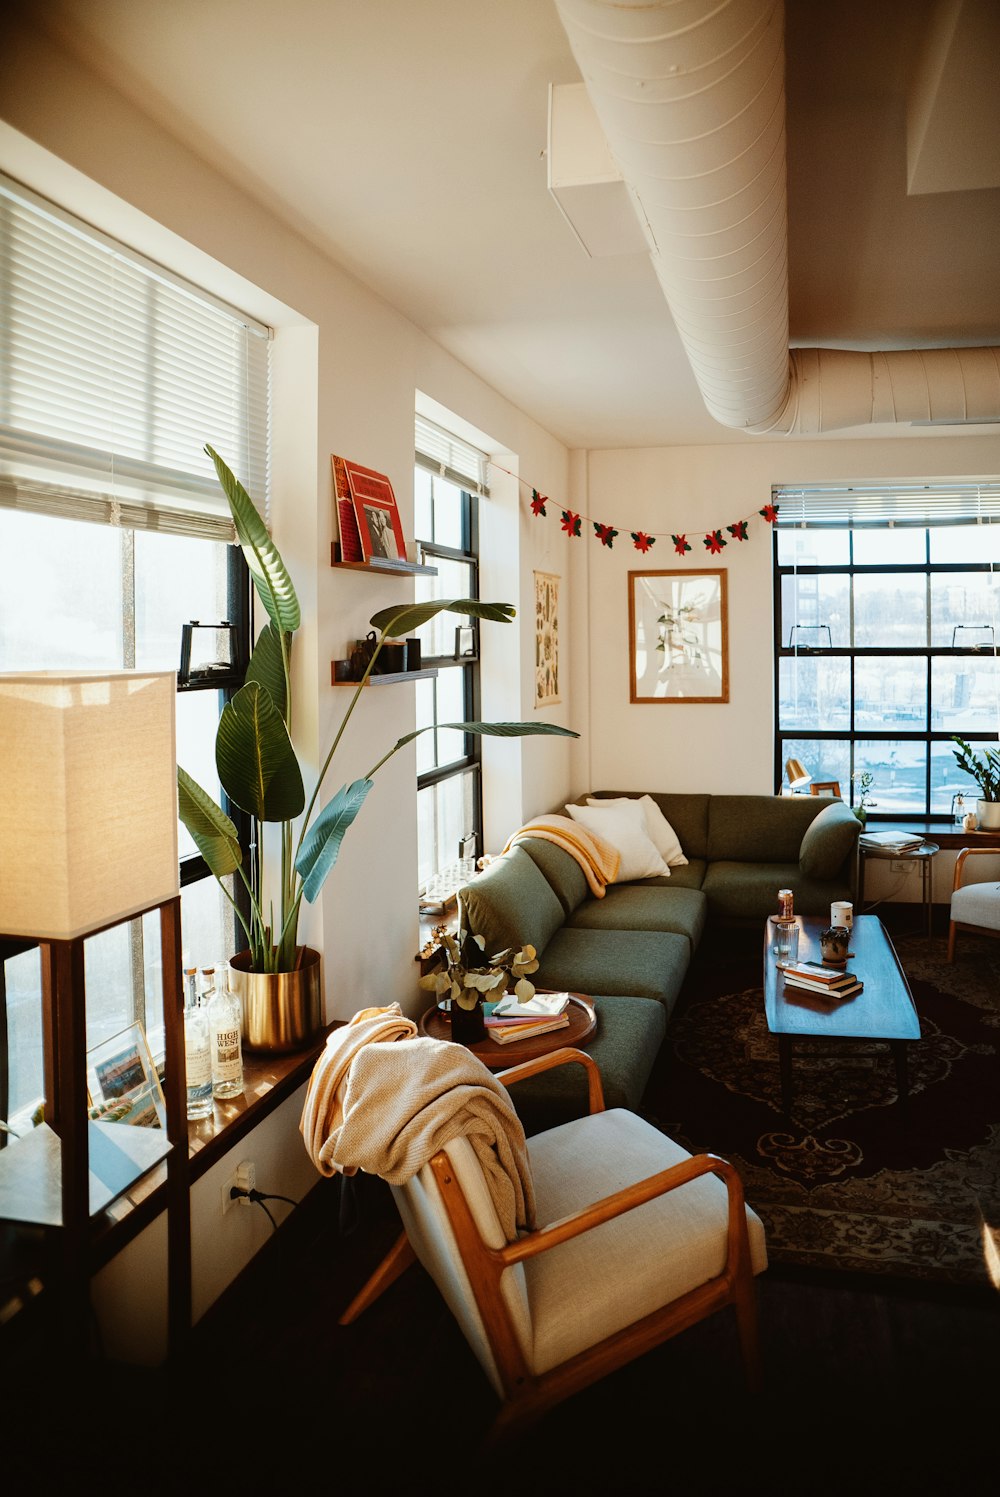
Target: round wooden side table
[582,1023]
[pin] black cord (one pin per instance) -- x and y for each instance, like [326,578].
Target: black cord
[267,1213]
[259,1195]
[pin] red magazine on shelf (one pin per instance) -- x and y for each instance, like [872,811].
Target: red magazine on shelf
[376,532]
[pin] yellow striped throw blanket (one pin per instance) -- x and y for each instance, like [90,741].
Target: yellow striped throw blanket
[598,859]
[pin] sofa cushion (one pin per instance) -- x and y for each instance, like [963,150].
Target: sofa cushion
[828,841]
[686,813]
[645,907]
[758,828]
[625,1045]
[511,904]
[624,826]
[563,873]
[658,828]
[646,963]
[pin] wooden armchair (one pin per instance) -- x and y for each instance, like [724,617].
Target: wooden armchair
[637,1240]
[974,907]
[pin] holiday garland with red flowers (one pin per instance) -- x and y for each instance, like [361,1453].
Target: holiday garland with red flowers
[643,540]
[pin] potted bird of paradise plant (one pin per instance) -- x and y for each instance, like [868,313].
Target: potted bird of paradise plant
[278,978]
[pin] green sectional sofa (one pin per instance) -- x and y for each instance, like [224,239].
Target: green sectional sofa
[637,941]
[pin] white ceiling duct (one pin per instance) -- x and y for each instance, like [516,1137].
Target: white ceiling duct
[690,95]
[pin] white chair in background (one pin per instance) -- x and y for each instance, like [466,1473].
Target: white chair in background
[974,907]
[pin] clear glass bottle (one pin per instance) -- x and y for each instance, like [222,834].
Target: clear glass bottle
[197,1050]
[224,1022]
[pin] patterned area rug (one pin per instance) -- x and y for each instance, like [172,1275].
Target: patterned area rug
[842,1184]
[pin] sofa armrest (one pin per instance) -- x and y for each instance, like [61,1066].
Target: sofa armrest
[830,839]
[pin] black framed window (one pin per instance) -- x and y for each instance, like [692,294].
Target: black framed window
[886,632]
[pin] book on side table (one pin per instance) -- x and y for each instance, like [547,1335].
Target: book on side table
[813,977]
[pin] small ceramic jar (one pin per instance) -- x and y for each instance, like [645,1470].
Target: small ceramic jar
[833,943]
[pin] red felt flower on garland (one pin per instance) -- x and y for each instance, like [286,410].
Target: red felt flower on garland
[570,522]
[642,540]
[738,531]
[713,541]
[538,502]
[680,544]
[769,512]
[605,534]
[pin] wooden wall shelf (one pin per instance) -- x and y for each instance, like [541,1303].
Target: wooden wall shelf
[390,678]
[381,564]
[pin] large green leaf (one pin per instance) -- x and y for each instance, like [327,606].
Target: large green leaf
[255,758]
[494,730]
[270,578]
[214,834]
[321,845]
[266,666]
[405,618]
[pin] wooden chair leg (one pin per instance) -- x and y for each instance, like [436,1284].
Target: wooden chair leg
[951,941]
[396,1261]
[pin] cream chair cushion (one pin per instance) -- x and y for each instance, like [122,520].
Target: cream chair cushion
[977,904]
[567,1299]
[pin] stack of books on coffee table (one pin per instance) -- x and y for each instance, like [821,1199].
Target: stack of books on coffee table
[509,1020]
[815,977]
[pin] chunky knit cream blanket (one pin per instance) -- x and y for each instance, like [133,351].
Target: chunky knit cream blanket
[384,1099]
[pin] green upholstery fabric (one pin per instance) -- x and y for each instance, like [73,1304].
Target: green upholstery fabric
[759,828]
[564,875]
[687,814]
[511,904]
[625,1045]
[740,891]
[643,963]
[828,841]
[650,905]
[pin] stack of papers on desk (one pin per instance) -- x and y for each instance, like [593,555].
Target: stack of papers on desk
[891,841]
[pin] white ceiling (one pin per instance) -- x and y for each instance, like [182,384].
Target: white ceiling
[407,138]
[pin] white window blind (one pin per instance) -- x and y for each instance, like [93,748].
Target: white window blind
[114,374]
[960,503]
[451,457]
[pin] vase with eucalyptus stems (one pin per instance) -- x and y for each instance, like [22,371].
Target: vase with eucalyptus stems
[259,770]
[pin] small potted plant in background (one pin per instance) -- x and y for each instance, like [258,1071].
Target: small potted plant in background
[462,979]
[864,779]
[276,978]
[985,771]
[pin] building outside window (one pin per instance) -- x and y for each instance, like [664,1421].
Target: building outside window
[115,534]
[449,481]
[886,629]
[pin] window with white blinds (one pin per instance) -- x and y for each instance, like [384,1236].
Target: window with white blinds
[114,375]
[961,503]
[451,457]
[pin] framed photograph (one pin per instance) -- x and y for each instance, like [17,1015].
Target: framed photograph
[546,639]
[678,636]
[825,787]
[122,1081]
[379,529]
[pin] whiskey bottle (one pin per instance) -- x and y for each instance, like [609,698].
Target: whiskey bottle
[224,1022]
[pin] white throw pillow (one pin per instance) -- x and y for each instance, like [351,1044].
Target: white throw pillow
[624,827]
[658,828]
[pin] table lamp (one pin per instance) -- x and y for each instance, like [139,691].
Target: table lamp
[88,815]
[797,775]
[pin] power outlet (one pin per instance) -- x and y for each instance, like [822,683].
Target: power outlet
[897,866]
[244,1178]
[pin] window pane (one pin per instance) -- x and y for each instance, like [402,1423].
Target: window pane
[900,771]
[965,607]
[445,816]
[443,700]
[814,692]
[177,581]
[455,579]
[881,546]
[964,694]
[890,610]
[958,543]
[197,724]
[448,517]
[823,759]
[890,691]
[947,780]
[804,548]
[23,976]
[423,519]
[815,611]
[61,604]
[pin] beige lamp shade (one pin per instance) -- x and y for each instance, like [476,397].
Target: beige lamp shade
[88,810]
[797,774]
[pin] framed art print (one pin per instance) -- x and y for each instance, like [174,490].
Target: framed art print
[678,636]
[546,639]
[123,1083]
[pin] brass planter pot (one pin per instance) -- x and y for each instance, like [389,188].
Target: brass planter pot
[282,1011]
